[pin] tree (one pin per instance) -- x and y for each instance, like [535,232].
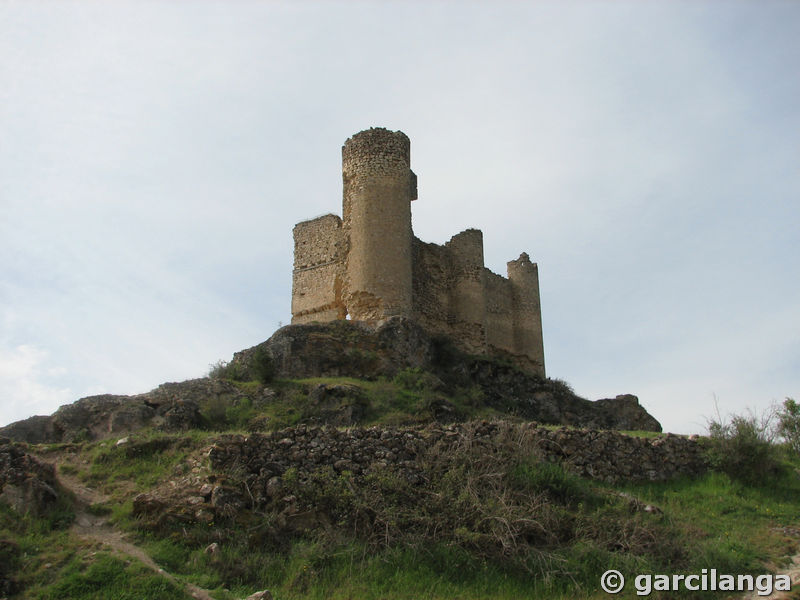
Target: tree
[789,424]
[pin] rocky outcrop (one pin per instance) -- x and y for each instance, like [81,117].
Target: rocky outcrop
[343,349]
[26,483]
[624,412]
[553,402]
[340,349]
[353,349]
[170,407]
[33,430]
[10,556]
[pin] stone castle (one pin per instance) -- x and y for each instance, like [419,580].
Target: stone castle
[368,266]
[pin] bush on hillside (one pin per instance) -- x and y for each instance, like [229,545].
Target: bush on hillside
[226,370]
[789,424]
[262,367]
[742,447]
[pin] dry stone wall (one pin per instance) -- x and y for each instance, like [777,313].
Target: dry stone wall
[262,459]
[322,477]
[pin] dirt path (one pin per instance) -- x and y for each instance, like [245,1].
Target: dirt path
[792,570]
[98,529]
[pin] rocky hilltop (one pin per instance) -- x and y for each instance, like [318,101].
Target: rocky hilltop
[352,349]
[396,350]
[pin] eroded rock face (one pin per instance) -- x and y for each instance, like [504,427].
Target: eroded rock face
[170,407]
[553,402]
[625,412]
[34,430]
[344,349]
[97,416]
[352,349]
[339,405]
[26,483]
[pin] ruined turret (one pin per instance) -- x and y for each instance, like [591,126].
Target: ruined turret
[378,189]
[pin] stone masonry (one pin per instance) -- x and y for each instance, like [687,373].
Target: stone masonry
[368,266]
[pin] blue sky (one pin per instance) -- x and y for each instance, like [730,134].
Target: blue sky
[154,157]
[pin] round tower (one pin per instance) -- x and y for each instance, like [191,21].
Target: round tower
[528,340]
[378,189]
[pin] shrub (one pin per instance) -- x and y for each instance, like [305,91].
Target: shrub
[789,424]
[262,366]
[743,447]
[552,479]
[417,380]
[444,351]
[214,412]
[226,370]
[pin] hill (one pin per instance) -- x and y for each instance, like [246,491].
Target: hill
[338,461]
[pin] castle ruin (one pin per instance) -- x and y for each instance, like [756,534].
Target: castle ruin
[369,266]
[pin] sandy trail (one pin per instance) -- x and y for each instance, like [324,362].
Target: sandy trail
[98,529]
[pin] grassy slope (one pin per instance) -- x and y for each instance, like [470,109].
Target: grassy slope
[712,522]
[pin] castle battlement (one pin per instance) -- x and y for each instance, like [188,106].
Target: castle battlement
[369,266]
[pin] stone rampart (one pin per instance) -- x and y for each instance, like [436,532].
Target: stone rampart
[262,459]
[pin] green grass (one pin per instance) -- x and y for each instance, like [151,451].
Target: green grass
[146,459]
[408,398]
[443,544]
[412,396]
[47,561]
[733,526]
[390,538]
[104,576]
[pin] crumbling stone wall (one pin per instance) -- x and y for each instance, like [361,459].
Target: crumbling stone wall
[262,471]
[320,247]
[368,266]
[602,455]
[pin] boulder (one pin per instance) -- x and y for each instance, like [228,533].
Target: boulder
[33,430]
[342,349]
[27,484]
[624,412]
[337,405]
[262,595]
[182,415]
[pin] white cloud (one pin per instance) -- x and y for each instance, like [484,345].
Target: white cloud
[28,385]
